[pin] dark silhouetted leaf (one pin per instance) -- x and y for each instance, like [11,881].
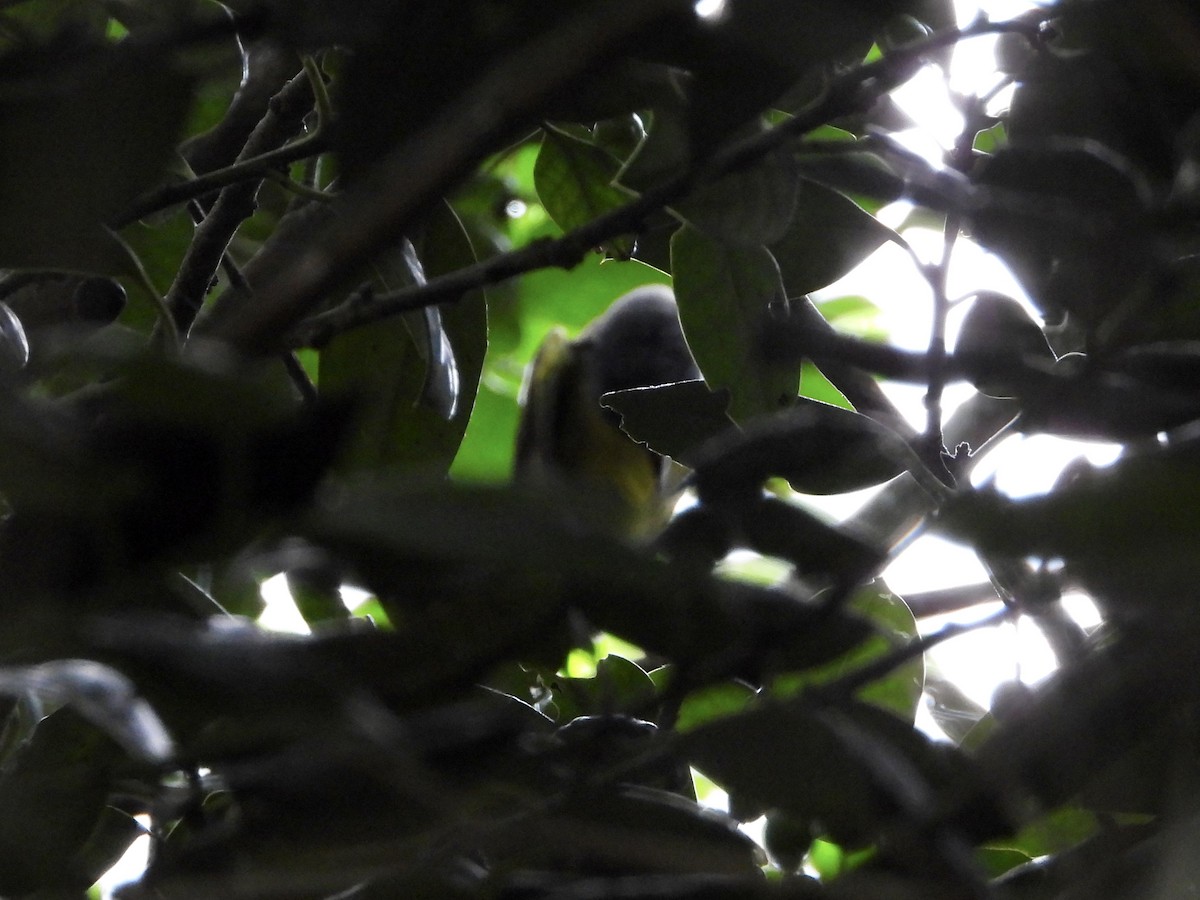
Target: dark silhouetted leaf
[100,695]
[619,686]
[77,146]
[900,690]
[780,529]
[672,419]
[1145,506]
[53,792]
[1067,219]
[638,830]
[829,235]
[818,448]
[836,768]
[998,325]
[713,702]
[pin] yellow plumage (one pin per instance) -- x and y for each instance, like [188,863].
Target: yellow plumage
[567,437]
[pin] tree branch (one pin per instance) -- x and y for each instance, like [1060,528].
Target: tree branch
[234,205]
[843,95]
[268,68]
[375,213]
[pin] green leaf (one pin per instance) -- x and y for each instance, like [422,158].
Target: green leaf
[1053,833]
[574,180]
[815,386]
[619,686]
[900,690]
[724,293]
[160,248]
[829,235]
[390,368]
[76,147]
[713,702]
[486,452]
[750,206]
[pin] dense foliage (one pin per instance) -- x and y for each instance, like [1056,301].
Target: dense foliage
[272,274]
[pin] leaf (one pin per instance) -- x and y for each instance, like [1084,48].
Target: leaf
[110,839]
[777,528]
[750,206]
[574,180]
[829,235]
[622,87]
[1129,531]
[665,151]
[999,327]
[724,294]
[1091,97]
[672,419]
[170,457]
[406,542]
[818,448]
[1068,218]
[900,691]
[1054,833]
[846,770]
[76,146]
[160,248]
[439,392]
[713,702]
[100,695]
[44,21]
[443,246]
[53,793]
[770,38]
[415,378]
[636,830]
[619,686]
[815,386]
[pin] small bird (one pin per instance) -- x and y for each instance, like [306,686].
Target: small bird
[565,436]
